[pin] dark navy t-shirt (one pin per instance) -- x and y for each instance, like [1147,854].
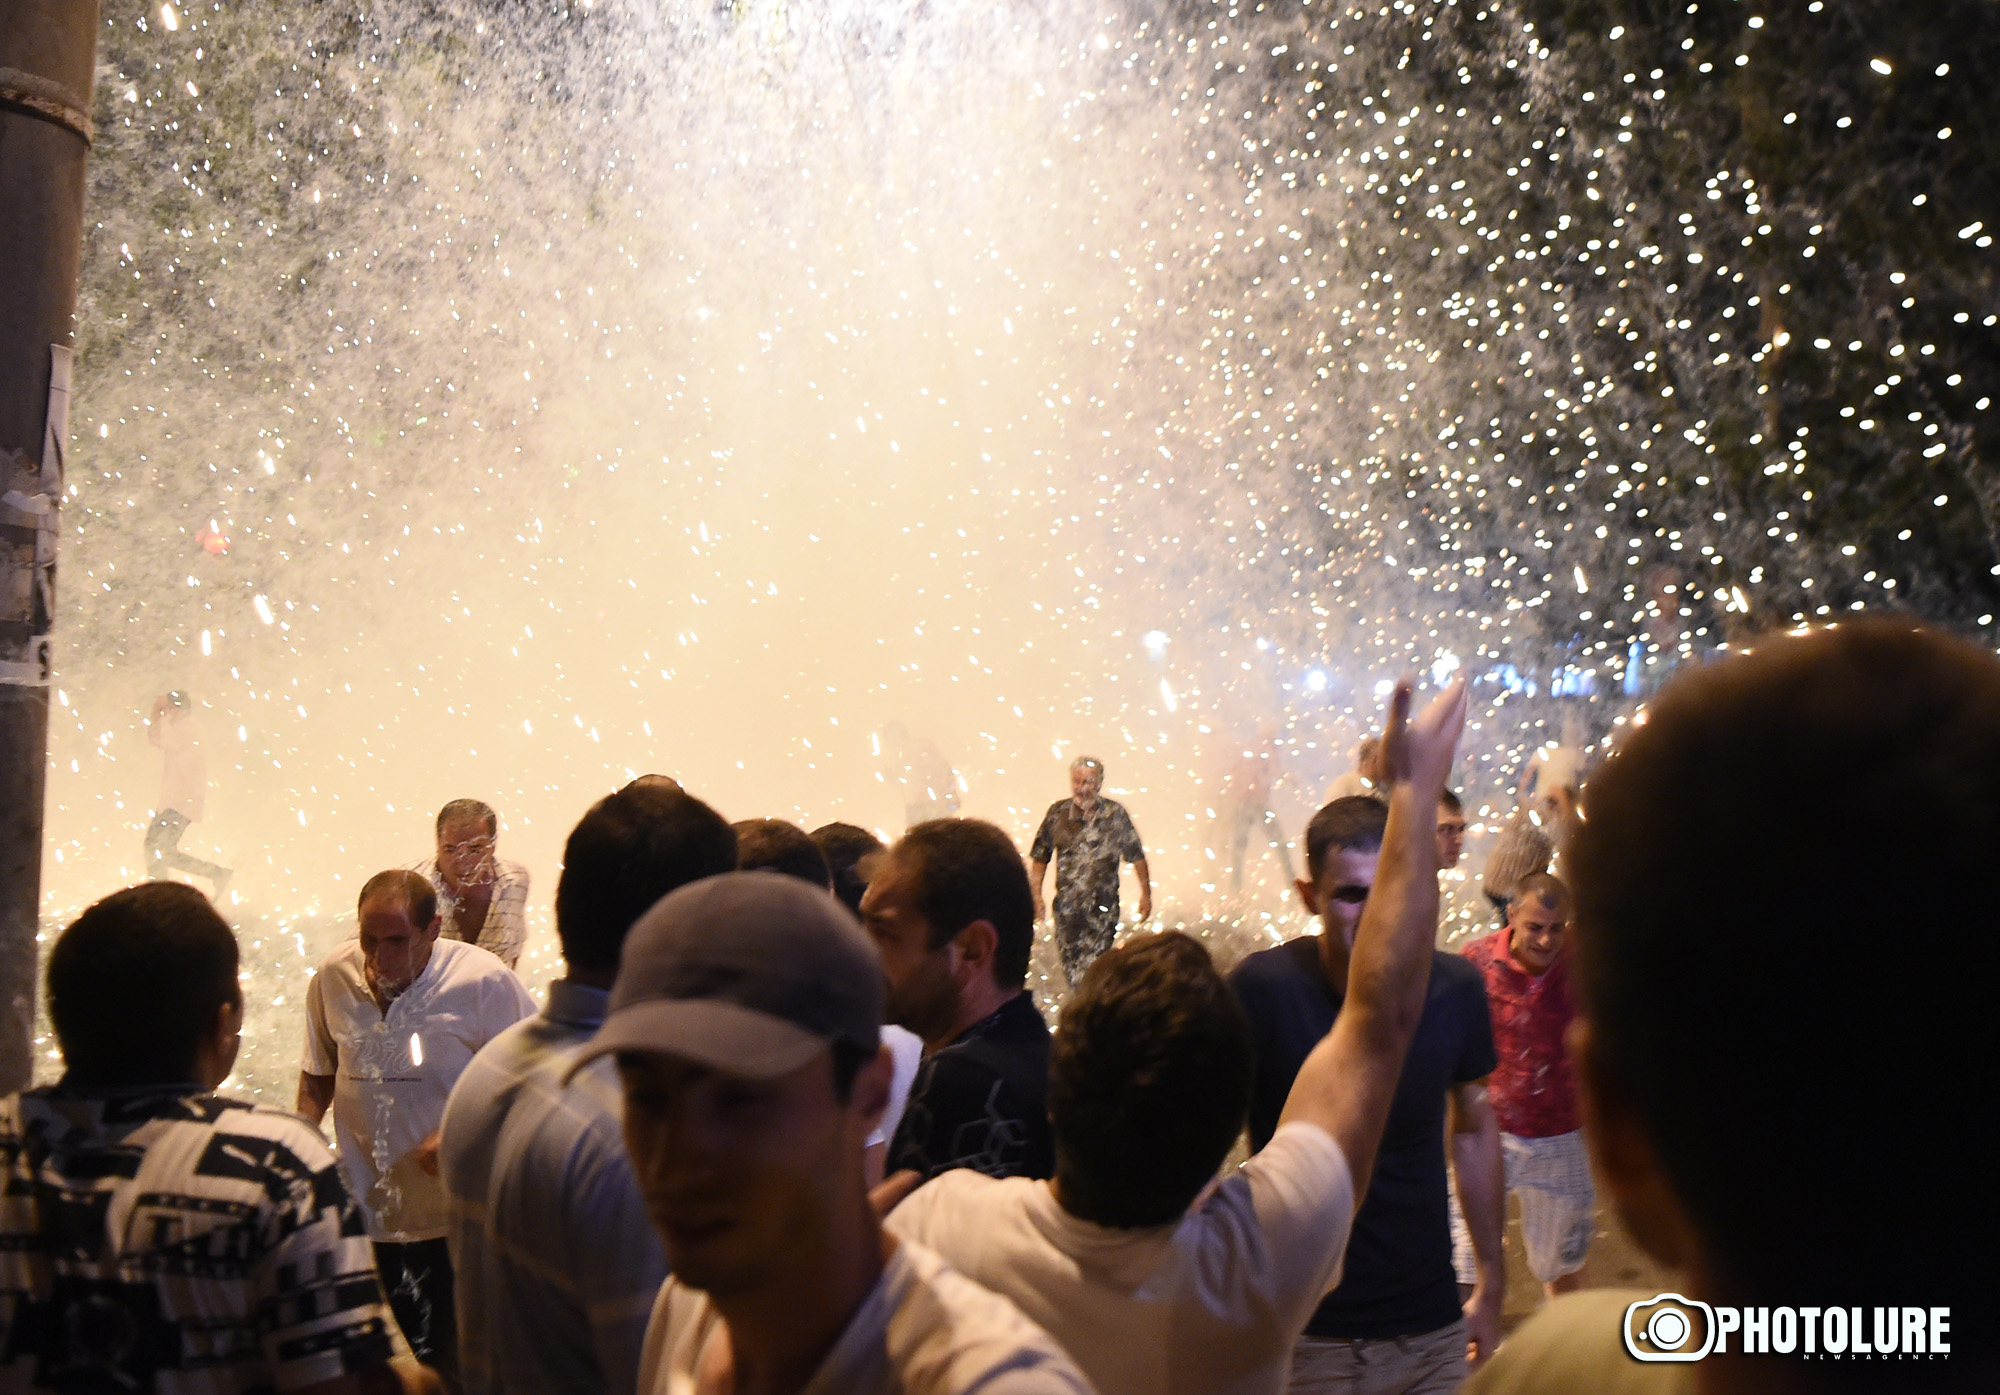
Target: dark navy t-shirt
[1398,1278]
[981,1101]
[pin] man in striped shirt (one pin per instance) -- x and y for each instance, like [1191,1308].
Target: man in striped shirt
[157,1236]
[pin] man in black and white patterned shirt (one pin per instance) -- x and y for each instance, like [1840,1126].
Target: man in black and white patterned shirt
[155,1236]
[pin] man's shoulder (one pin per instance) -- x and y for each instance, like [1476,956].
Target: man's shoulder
[465,962]
[1282,967]
[948,1199]
[947,1334]
[1484,949]
[268,1122]
[286,1143]
[1454,973]
[973,1062]
[1576,1343]
[344,956]
[1015,1032]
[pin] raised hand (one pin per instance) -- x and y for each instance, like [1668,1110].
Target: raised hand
[1418,750]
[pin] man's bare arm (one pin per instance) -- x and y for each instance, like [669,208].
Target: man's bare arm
[1145,876]
[1036,872]
[315,1094]
[1482,1193]
[1348,1081]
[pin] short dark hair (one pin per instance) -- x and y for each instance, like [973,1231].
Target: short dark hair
[465,809]
[1451,801]
[418,897]
[135,983]
[1149,1081]
[1352,824]
[1768,772]
[846,847]
[772,845]
[632,848]
[967,870]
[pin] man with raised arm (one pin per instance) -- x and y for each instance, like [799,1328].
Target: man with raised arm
[1152,1286]
[1397,1323]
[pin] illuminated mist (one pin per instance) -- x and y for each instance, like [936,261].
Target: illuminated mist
[504,400]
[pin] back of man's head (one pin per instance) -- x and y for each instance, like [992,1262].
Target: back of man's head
[1801,1055]
[1149,1082]
[848,849]
[1352,824]
[631,849]
[136,983]
[772,845]
[967,870]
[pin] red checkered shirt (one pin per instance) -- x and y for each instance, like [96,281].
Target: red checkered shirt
[1533,1089]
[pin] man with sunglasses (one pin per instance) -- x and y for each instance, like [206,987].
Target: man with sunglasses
[482,898]
[1395,1322]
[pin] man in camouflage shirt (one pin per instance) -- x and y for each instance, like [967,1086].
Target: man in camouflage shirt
[1085,836]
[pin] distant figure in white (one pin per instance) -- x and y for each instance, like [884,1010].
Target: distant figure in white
[483,898]
[183,792]
[929,785]
[1365,778]
[1244,809]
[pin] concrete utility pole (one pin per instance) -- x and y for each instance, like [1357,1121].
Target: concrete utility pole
[48,54]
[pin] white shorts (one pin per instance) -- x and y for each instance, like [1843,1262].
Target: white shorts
[1551,1176]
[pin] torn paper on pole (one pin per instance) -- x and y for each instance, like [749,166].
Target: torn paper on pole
[30,521]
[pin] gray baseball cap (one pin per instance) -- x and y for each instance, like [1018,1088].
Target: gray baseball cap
[750,973]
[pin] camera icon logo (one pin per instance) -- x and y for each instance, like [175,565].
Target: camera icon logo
[1669,1327]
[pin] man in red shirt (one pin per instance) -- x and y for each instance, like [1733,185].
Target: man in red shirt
[1533,1089]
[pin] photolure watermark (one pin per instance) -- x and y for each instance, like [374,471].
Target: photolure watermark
[1672,1327]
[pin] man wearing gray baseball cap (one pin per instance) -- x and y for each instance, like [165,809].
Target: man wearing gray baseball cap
[746,1022]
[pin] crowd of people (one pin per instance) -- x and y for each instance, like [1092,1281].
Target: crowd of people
[791,1121]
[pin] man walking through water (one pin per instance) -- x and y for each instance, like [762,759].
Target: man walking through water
[482,898]
[1085,836]
[183,792]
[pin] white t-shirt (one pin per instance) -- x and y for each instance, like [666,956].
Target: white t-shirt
[923,1330]
[394,1070]
[1209,1305]
[907,1050]
[1348,786]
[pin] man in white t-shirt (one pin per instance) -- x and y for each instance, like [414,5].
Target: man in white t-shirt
[1152,1289]
[393,1017]
[746,1024]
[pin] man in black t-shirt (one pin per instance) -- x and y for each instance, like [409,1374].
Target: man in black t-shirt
[1396,1315]
[951,911]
